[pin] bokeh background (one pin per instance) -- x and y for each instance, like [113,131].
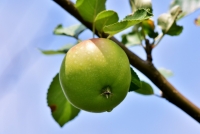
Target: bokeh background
[25,74]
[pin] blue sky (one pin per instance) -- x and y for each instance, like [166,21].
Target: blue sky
[25,74]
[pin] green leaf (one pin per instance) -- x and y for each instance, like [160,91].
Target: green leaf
[175,30]
[197,21]
[104,18]
[62,111]
[167,22]
[140,30]
[89,9]
[149,28]
[52,52]
[132,39]
[140,14]
[130,20]
[135,81]
[138,4]
[63,50]
[72,31]
[187,6]
[146,89]
[165,72]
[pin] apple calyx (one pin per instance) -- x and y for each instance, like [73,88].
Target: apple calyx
[107,92]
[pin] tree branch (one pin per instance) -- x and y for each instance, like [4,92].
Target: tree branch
[146,67]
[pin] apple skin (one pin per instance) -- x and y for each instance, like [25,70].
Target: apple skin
[95,75]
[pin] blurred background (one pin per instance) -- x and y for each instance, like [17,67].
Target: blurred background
[25,74]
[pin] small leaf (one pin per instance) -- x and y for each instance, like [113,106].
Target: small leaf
[149,28]
[146,89]
[165,72]
[63,50]
[175,30]
[175,10]
[197,21]
[167,22]
[62,111]
[104,18]
[89,9]
[138,4]
[187,6]
[72,31]
[135,81]
[132,38]
[140,14]
[52,52]
[130,20]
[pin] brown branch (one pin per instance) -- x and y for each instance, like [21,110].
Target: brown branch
[146,67]
[148,50]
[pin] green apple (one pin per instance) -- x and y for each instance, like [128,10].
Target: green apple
[95,75]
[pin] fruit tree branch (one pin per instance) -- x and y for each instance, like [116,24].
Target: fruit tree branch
[146,67]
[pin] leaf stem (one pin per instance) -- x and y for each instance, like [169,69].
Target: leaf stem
[174,17]
[159,39]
